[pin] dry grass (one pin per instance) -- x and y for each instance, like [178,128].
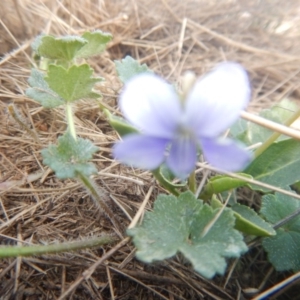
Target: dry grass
[35,208]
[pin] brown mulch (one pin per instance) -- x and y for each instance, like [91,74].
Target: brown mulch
[171,37]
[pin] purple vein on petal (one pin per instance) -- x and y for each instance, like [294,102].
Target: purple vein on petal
[182,156]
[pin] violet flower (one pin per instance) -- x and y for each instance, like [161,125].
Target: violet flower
[172,131]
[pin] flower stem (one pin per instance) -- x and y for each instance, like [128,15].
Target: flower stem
[278,128]
[98,199]
[54,248]
[70,120]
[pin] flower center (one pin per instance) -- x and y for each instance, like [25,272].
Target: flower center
[183,132]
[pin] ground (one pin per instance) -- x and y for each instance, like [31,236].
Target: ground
[171,37]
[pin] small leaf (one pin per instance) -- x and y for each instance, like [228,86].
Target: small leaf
[166,228]
[222,183]
[73,83]
[247,220]
[129,67]
[284,248]
[176,225]
[119,124]
[40,91]
[37,42]
[61,48]
[97,41]
[279,165]
[70,156]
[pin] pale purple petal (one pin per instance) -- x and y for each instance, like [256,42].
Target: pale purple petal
[216,100]
[141,151]
[182,157]
[151,104]
[225,154]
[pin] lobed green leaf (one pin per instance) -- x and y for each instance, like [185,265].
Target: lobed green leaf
[41,92]
[177,224]
[73,83]
[284,248]
[208,253]
[61,48]
[36,43]
[129,67]
[96,43]
[70,156]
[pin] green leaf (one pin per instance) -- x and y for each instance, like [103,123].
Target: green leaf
[166,228]
[70,156]
[129,67]
[279,165]
[284,248]
[278,113]
[40,91]
[61,48]
[37,42]
[208,253]
[177,224]
[247,220]
[119,124]
[73,83]
[239,128]
[97,41]
[222,183]
[296,187]
[251,133]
